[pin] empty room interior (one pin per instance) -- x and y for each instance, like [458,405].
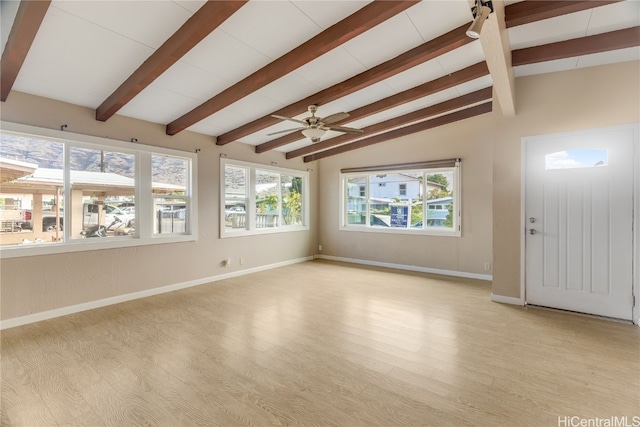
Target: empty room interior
[320,213]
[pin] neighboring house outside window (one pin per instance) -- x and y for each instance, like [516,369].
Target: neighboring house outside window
[417,201]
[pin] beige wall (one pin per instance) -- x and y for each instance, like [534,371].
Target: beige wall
[39,283]
[471,140]
[558,102]
[490,146]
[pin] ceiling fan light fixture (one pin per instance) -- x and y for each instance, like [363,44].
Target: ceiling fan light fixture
[313,133]
[481,12]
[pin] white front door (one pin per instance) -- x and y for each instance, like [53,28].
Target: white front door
[579,222]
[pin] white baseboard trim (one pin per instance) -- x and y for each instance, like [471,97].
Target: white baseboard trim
[507,300]
[58,312]
[409,267]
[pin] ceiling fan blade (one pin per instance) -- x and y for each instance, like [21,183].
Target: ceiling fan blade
[334,118]
[344,129]
[286,130]
[289,118]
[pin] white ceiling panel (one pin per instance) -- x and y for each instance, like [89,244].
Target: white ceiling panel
[8,10]
[288,89]
[385,41]
[545,67]
[190,5]
[433,18]
[185,86]
[551,30]
[325,13]
[294,145]
[614,16]
[416,76]
[433,99]
[190,81]
[462,57]
[222,55]
[219,123]
[612,57]
[31,80]
[152,105]
[286,26]
[339,105]
[132,19]
[96,63]
[369,94]
[245,110]
[333,67]
[474,85]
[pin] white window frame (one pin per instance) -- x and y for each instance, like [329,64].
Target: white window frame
[251,199]
[144,234]
[456,231]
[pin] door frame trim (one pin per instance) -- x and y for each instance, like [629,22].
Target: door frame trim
[635,128]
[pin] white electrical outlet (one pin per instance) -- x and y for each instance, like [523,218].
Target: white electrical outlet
[487,266]
[319,247]
[227,262]
[241,261]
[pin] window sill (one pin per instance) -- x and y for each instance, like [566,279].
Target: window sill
[389,230]
[243,232]
[93,244]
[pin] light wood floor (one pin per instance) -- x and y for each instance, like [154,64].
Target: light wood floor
[320,344]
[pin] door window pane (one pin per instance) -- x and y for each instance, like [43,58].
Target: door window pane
[575,159]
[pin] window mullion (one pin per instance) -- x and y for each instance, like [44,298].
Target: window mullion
[144,196]
[367,219]
[66,189]
[280,218]
[251,210]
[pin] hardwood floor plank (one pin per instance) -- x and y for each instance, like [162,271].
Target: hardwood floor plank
[319,344]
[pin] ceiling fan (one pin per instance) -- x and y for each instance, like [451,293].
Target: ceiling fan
[315,127]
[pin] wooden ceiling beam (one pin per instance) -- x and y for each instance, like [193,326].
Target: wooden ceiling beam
[424,113]
[614,40]
[530,11]
[416,56]
[355,24]
[193,31]
[467,74]
[497,51]
[23,31]
[408,130]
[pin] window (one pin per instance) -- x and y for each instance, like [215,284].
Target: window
[170,179]
[261,199]
[60,190]
[100,180]
[577,159]
[420,198]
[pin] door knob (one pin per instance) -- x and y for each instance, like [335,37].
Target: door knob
[532,231]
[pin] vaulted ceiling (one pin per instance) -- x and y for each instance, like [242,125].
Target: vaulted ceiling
[223,68]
